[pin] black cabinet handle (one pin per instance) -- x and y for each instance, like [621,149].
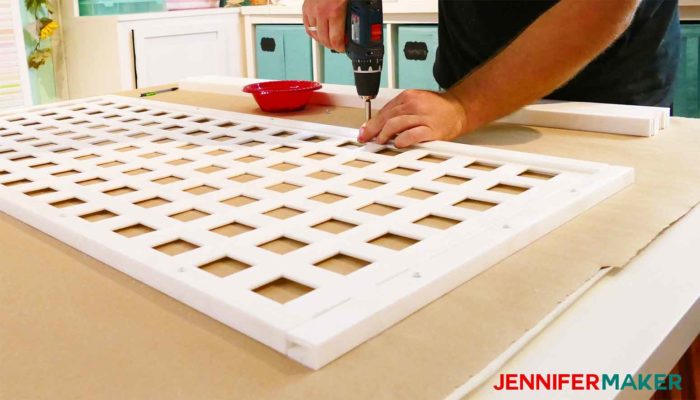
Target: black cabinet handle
[268,44]
[416,51]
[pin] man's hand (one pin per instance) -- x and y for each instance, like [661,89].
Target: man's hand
[417,116]
[328,17]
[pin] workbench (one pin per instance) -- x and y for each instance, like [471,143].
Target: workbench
[74,328]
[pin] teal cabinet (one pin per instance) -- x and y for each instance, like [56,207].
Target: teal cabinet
[686,102]
[337,68]
[415,53]
[283,52]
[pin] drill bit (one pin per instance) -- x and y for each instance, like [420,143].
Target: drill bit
[368,109]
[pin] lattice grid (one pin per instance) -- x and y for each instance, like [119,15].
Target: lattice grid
[289,232]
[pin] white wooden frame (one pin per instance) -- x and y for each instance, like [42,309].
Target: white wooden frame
[103,140]
[593,117]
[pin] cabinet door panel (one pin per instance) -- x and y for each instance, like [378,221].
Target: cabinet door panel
[416,50]
[169,54]
[269,52]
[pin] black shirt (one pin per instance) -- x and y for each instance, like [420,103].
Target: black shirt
[639,68]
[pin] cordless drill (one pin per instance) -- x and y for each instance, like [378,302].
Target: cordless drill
[365,46]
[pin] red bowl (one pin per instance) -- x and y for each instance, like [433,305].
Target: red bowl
[281,96]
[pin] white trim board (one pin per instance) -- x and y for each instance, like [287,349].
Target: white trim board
[593,117]
[89,171]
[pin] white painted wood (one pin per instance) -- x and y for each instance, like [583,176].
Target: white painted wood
[595,117]
[102,139]
[166,54]
[14,75]
[105,63]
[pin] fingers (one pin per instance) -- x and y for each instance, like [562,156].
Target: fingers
[398,125]
[310,21]
[322,33]
[336,33]
[410,137]
[375,125]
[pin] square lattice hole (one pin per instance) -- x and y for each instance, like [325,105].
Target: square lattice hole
[358,163]
[202,190]
[248,159]
[508,189]
[44,165]
[283,187]
[283,213]
[323,175]
[92,181]
[17,182]
[189,215]
[432,158]
[477,205]
[180,161]
[437,222]
[403,171]
[98,216]
[284,149]
[138,171]
[152,202]
[393,241]
[176,247]
[334,226]
[342,264]
[232,229]
[283,290]
[284,167]
[418,194]
[483,166]
[224,267]
[110,164]
[67,203]
[244,178]
[120,191]
[134,230]
[378,209]
[210,169]
[368,184]
[39,192]
[319,156]
[452,179]
[283,245]
[167,180]
[389,152]
[538,175]
[252,143]
[239,201]
[328,198]
[217,152]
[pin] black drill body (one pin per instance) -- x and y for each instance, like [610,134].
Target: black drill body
[365,45]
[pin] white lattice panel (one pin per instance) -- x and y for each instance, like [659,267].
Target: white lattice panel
[289,232]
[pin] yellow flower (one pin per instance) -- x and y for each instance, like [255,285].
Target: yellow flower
[48,30]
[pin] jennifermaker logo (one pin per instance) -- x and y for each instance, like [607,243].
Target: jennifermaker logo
[514,382]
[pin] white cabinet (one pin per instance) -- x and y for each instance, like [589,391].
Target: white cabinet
[169,54]
[114,53]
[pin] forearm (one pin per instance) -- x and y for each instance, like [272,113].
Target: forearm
[545,56]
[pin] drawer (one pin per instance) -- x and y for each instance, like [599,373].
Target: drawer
[415,53]
[283,52]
